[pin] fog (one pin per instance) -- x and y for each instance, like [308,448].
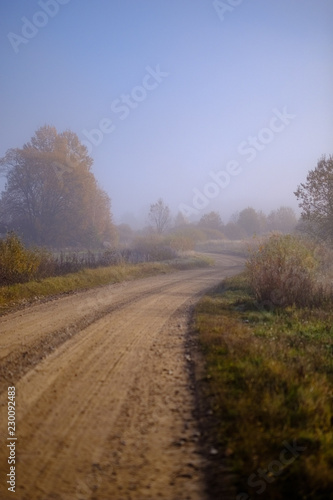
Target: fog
[207,104]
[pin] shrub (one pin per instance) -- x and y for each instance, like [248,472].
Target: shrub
[191,232]
[282,271]
[180,242]
[212,234]
[153,247]
[17,264]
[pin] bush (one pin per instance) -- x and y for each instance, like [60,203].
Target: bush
[180,243]
[153,247]
[282,271]
[190,232]
[17,264]
[212,234]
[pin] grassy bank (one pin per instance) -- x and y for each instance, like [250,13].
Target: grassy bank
[269,381]
[15,295]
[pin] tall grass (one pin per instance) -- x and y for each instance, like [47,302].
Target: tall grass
[20,265]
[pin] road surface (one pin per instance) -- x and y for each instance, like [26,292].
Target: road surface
[104,402]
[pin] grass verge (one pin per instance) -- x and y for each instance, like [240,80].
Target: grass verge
[13,296]
[269,380]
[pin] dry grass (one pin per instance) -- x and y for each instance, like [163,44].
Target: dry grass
[21,293]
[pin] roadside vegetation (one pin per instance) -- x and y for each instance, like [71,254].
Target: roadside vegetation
[267,339]
[28,275]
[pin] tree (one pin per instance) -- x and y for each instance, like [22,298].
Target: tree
[51,196]
[283,219]
[234,232]
[212,220]
[125,234]
[250,221]
[315,198]
[180,220]
[159,216]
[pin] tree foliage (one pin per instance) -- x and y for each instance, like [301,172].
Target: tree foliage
[212,220]
[234,232]
[180,220]
[283,220]
[51,196]
[316,200]
[250,221]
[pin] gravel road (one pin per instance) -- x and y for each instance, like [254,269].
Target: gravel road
[104,398]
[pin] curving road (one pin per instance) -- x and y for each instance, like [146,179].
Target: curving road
[104,403]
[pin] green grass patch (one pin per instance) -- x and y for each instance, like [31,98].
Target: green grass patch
[269,380]
[15,295]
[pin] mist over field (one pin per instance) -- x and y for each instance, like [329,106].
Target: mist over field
[211,106]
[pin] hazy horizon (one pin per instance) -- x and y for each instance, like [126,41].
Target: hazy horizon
[208,107]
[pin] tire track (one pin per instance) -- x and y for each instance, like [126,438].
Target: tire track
[22,356]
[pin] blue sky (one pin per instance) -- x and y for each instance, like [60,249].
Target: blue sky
[222,78]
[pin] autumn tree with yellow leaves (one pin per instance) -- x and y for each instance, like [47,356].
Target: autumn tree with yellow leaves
[51,195]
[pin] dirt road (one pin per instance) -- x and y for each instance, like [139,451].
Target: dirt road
[104,404]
